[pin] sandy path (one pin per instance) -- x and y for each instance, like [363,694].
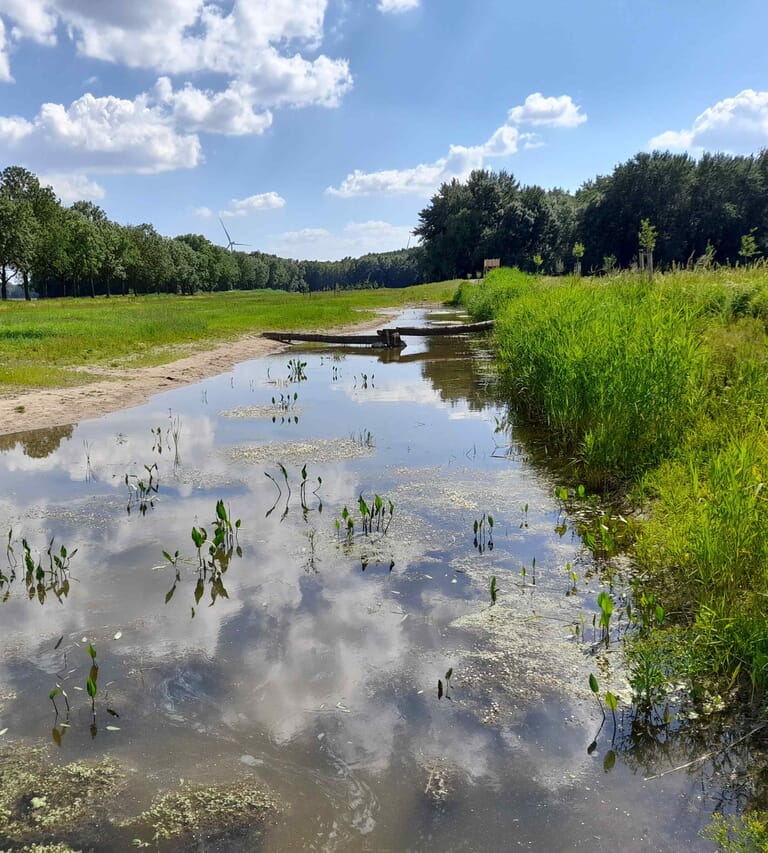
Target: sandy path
[121,389]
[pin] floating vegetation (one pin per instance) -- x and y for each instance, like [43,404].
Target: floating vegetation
[297,452]
[264,412]
[143,491]
[483,530]
[209,811]
[39,580]
[38,800]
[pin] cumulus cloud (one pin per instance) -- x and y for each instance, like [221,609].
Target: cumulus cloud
[230,112]
[398,5]
[548,112]
[203,212]
[105,134]
[73,187]
[355,239]
[738,125]
[5,65]
[261,201]
[256,42]
[425,178]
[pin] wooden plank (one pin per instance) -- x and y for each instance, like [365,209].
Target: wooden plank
[465,328]
[306,337]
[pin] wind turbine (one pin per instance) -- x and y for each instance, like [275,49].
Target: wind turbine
[230,242]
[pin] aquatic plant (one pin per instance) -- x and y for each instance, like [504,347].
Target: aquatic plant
[442,692]
[493,590]
[284,404]
[375,517]
[222,546]
[143,491]
[483,533]
[296,370]
[605,603]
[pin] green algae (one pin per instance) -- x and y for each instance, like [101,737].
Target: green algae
[39,799]
[207,810]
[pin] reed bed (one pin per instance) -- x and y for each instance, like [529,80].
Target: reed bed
[659,388]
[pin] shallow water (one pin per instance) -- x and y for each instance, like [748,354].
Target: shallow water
[311,665]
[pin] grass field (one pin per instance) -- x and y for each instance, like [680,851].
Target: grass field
[40,340]
[659,389]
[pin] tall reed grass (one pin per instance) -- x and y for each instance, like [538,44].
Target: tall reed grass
[662,386]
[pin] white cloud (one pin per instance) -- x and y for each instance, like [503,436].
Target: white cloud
[256,42]
[5,65]
[73,187]
[548,112]
[229,112]
[355,239]
[398,5]
[13,129]
[262,201]
[738,125]
[203,212]
[99,135]
[305,235]
[425,178]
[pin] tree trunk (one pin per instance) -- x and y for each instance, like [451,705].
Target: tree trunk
[3,283]
[93,289]
[25,280]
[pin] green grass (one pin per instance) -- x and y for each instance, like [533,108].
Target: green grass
[40,340]
[660,388]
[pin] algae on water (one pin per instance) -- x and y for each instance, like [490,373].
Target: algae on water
[39,799]
[210,810]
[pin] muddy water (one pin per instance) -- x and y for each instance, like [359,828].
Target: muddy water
[306,663]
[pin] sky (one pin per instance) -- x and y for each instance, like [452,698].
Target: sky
[317,129]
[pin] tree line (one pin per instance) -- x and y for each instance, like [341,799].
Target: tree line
[710,210]
[657,208]
[54,250]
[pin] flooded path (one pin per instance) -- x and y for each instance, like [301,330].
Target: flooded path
[335,687]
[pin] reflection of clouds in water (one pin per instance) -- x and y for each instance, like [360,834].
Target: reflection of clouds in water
[113,455]
[386,391]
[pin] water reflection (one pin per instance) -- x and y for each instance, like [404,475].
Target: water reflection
[319,664]
[37,443]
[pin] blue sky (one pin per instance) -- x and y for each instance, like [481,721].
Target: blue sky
[320,128]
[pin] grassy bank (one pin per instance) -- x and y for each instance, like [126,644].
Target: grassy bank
[40,340]
[660,390]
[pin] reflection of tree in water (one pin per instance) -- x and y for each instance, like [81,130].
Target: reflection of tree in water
[37,443]
[725,756]
[460,369]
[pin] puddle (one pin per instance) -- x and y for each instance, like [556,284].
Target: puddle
[290,665]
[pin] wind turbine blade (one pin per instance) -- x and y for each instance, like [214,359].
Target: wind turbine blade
[226,232]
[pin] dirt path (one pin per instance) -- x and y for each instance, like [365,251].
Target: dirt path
[121,389]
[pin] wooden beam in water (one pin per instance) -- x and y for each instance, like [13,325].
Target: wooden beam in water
[463,329]
[386,338]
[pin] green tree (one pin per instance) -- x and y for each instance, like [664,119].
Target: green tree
[647,241]
[748,249]
[578,254]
